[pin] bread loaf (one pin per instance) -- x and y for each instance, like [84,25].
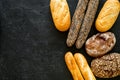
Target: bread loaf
[84,67]
[107,15]
[60,14]
[73,67]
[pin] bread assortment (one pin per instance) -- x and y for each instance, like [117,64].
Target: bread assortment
[108,15]
[102,66]
[60,14]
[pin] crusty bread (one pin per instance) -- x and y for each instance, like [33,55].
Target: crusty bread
[100,43]
[107,66]
[84,67]
[72,66]
[108,15]
[60,14]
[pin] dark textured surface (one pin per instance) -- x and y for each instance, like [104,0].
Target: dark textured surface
[106,66]
[76,22]
[30,46]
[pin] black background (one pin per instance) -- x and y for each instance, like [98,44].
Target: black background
[30,46]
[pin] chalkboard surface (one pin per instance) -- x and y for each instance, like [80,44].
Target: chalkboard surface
[30,46]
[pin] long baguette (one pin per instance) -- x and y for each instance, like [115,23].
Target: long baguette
[87,23]
[72,66]
[76,22]
[84,67]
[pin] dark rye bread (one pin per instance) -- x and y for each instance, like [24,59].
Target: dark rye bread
[77,20]
[107,66]
[87,23]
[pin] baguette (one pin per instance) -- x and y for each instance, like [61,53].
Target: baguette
[107,66]
[72,66]
[87,23]
[76,22]
[84,67]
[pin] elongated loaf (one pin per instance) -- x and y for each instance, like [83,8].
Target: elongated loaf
[84,67]
[72,66]
[107,15]
[60,14]
[87,23]
[76,22]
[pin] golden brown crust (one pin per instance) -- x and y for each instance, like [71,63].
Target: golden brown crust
[72,66]
[60,14]
[84,67]
[108,15]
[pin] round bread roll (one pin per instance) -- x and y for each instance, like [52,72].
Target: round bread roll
[107,66]
[100,44]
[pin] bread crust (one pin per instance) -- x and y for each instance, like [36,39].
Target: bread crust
[100,44]
[108,15]
[87,23]
[60,14]
[107,66]
[84,67]
[73,67]
[76,22]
